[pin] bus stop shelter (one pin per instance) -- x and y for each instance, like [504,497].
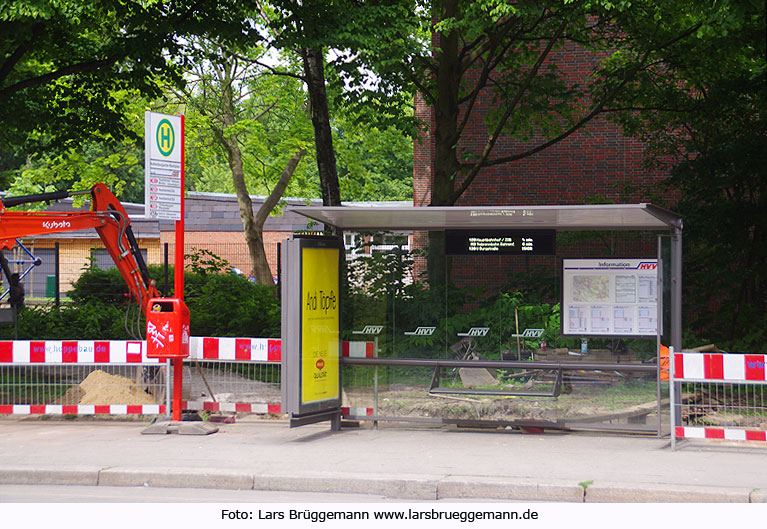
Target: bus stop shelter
[642,217]
[610,217]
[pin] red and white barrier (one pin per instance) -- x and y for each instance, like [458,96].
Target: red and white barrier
[356,412]
[23,352]
[693,367]
[122,352]
[358,350]
[244,349]
[727,434]
[717,368]
[82,409]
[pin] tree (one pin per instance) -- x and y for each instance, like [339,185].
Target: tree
[315,31]
[64,65]
[702,118]
[233,99]
[495,61]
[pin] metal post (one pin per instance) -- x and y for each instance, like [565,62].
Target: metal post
[178,285]
[165,257]
[167,387]
[375,385]
[672,397]
[57,274]
[676,287]
[658,334]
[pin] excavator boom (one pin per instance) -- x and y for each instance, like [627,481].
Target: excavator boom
[107,216]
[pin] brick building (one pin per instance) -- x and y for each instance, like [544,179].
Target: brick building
[597,163]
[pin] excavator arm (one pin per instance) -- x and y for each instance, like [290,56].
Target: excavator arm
[107,216]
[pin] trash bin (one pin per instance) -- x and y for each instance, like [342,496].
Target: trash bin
[167,328]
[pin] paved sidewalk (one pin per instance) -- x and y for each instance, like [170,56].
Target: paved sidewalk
[395,461]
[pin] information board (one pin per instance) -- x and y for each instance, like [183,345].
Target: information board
[500,242]
[610,297]
[163,164]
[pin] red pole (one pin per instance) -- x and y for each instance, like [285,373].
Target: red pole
[178,287]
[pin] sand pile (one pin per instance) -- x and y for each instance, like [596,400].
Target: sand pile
[100,388]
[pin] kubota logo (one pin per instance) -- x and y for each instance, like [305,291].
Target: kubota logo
[421,331]
[55,224]
[320,363]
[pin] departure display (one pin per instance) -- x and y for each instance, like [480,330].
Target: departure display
[500,242]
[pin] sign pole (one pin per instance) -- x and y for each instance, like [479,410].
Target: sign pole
[178,287]
[168,318]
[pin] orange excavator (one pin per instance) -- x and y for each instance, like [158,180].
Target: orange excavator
[107,216]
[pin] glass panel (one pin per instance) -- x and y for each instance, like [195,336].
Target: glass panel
[410,300]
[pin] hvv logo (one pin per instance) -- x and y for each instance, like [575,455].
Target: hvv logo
[648,266]
[421,331]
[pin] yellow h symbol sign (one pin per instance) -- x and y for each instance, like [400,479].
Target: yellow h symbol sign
[165,137]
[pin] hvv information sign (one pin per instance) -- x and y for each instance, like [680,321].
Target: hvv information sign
[163,164]
[610,297]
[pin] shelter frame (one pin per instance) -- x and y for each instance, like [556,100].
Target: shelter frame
[608,217]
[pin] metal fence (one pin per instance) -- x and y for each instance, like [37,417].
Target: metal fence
[116,377]
[243,375]
[42,261]
[718,396]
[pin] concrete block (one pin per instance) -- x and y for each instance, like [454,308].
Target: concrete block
[179,478]
[604,492]
[509,489]
[50,476]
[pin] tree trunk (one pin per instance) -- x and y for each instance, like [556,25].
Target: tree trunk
[446,114]
[261,269]
[252,224]
[314,73]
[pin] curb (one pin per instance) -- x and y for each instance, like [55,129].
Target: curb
[506,489]
[605,492]
[197,478]
[394,487]
[406,488]
[50,476]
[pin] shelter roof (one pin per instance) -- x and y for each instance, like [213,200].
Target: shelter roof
[568,217]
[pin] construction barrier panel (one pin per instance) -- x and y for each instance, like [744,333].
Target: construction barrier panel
[82,377]
[718,396]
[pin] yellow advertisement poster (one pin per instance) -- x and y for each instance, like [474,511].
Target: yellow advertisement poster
[320,344]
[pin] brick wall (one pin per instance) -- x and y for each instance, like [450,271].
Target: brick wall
[229,245]
[597,161]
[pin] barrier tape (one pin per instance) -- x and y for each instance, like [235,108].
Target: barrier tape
[134,352]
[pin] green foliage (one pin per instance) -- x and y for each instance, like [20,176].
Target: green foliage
[221,304]
[97,286]
[65,62]
[701,114]
[230,305]
[94,320]
[203,262]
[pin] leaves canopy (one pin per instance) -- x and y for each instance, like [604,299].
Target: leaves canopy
[63,64]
